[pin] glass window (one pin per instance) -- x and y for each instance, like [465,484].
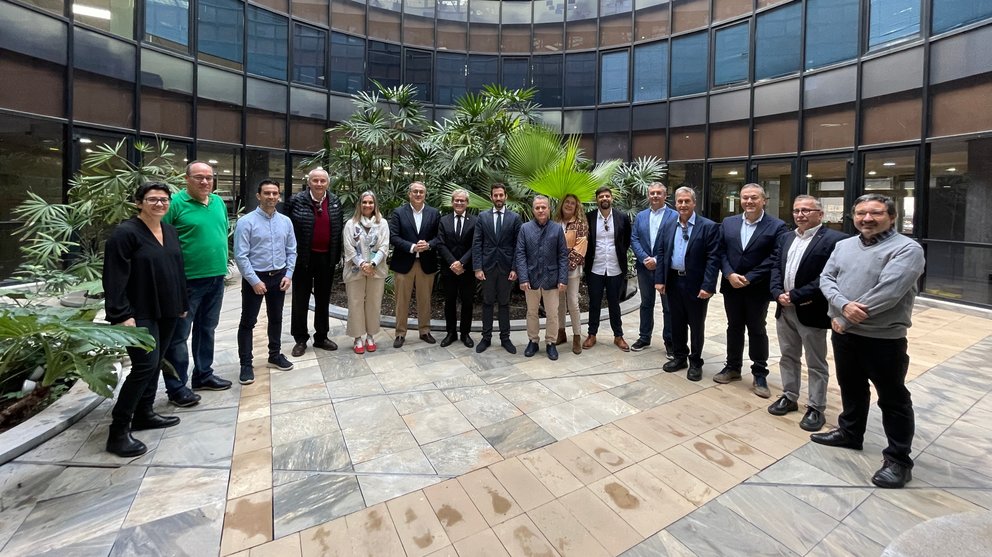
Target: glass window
[948,14]
[482,70]
[961,191]
[418,72]
[313,11]
[726,181]
[890,21]
[580,79]
[893,173]
[102,100]
[686,175]
[484,23]
[730,61]
[548,27]
[889,118]
[221,31]
[829,127]
[451,83]
[729,139]
[651,19]
[418,22]
[726,9]
[689,56]
[267,48]
[687,143]
[309,46]
[451,18]
[113,16]
[776,178]
[349,16]
[167,23]
[547,79]
[580,26]
[776,134]
[613,84]
[384,19]
[615,23]
[516,73]
[690,14]
[777,40]
[227,171]
[347,63]
[831,31]
[384,64]
[42,75]
[651,71]
[952,106]
[826,180]
[515,32]
[648,144]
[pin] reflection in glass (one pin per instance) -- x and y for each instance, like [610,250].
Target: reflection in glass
[580,26]
[952,106]
[451,71]
[349,16]
[384,19]
[113,16]
[728,139]
[726,180]
[730,59]
[826,180]
[831,31]
[651,71]
[949,14]
[309,45]
[614,77]
[580,79]
[650,19]
[482,71]
[776,178]
[227,171]
[484,23]
[958,272]
[893,173]
[776,42]
[267,36]
[776,134]
[418,22]
[895,117]
[347,63]
[167,23]
[690,14]
[686,174]
[687,143]
[891,21]
[546,77]
[419,68]
[829,127]
[690,54]
[516,73]
[383,64]
[221,31]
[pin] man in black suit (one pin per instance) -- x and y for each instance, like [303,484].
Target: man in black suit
[413,235]
[688,264]
[801,316]
[747,243]
[606,265]
[456,232]
[493,247]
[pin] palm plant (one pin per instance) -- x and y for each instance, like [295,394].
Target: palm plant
[630,183]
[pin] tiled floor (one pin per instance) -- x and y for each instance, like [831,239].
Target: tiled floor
[434,451]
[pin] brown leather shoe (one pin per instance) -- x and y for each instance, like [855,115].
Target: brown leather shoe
[576,344]
[590,342]
[562,337]
[621,344]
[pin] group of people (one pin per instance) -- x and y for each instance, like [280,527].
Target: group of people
[164,270]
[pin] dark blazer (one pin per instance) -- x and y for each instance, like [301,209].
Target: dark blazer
[490,253]
[299,209]
[754,262]
[403,235]
[702,256]
[453,247]
[640,236]
[621,239]
[811,306]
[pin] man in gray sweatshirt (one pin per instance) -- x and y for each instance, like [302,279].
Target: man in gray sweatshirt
[870,282]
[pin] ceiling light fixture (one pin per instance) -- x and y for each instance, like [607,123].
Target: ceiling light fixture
[888,163]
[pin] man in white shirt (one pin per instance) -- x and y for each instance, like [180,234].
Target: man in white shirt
[606,265]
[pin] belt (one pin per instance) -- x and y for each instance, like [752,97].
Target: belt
[678,273]
[271,273]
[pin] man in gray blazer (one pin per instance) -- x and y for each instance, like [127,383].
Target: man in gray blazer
[492,254]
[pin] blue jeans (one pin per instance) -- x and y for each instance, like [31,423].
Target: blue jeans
[205,298]
[645,283]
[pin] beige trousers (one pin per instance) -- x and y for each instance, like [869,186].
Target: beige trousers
[364,305]
[404,285]
[570,301]
[533,320]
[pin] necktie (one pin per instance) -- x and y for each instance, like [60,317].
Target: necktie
[499,222]
[458,226]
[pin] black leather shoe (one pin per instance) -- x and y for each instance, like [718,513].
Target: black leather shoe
[508,346]
[836,438]
[185,398]
[448,340]
[150,420]
[299,349]
[783,406]
[892,475]
[695,373]
[674,365]
[639,345]
[482,346]
[552,352]
[531,349]
[211,383]
[325,344]
[398,342]
[426,337]
[813,420]
[120,442]
[467,341]
[727,374]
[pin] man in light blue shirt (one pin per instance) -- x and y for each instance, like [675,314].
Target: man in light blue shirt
[645,238]
[265,252]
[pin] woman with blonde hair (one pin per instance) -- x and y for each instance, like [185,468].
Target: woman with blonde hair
[576,228]
[366,246]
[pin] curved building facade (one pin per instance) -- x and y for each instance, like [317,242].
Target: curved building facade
[829,97]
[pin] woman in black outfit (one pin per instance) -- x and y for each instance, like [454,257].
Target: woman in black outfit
[145,286]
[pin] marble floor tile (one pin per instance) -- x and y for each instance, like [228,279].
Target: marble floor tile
[565,533]
[767,438]
[168,491]
[668,504]
[390,361]
[455,510]
[788,520]
[503,374]
[247,522]
[294,381]
[522,485]
[303,424]
[844,541]
[447,369]
[515,436]
[279,408]
[735,537]
[415,401]
[329,539]
[481,544]
[461,453]
[926,503]
[737,448]
[564,420]
[338,368]
[573,387]
[252,435]
[184,533]
[691,488]
[486,409]
[530,396]
[522,538]
[469,379]
[604,453]
[852,467]
[207,419]
[580,464]
[489,496]
[365,385]
[980,497]
[604,407]
[374,442]
[553,474]
[323,453]
[611,531]
[646,515]
[288,546]
[372,532]
[661,544]
[714,475]
[379,488]
[366,412]
[63,446]
[418,527]
[402,380]
[313,500]
[254,407]
[726,460]
[250,473]
[653,431]
[437,423]
[206,448]
[626,444]
[965,445]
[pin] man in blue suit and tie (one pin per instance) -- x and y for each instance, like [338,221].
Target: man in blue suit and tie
[688,264]
[748,240]
[493,248]
[645,237]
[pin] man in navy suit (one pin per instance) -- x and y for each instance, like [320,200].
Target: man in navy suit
[645,238]
[747,243]
[413,235]
[455,246]
[801,316]
[493,248]
[688,264]
[606,265]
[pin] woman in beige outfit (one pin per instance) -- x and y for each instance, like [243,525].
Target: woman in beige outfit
[366,246]
[576,228]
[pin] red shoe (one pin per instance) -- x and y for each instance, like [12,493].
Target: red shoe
[370,344]
[359,347]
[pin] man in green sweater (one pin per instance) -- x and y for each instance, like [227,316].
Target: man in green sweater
[870,282]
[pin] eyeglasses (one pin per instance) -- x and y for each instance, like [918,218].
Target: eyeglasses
[874,214]
[157,200]
[804,211]
[201,178]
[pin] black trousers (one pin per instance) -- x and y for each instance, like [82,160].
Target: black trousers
[747,308]
[613,287]
[316,277]
[140,385]
[251,303]
[688,319]
[884,362]
[496,291]
[458,288]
